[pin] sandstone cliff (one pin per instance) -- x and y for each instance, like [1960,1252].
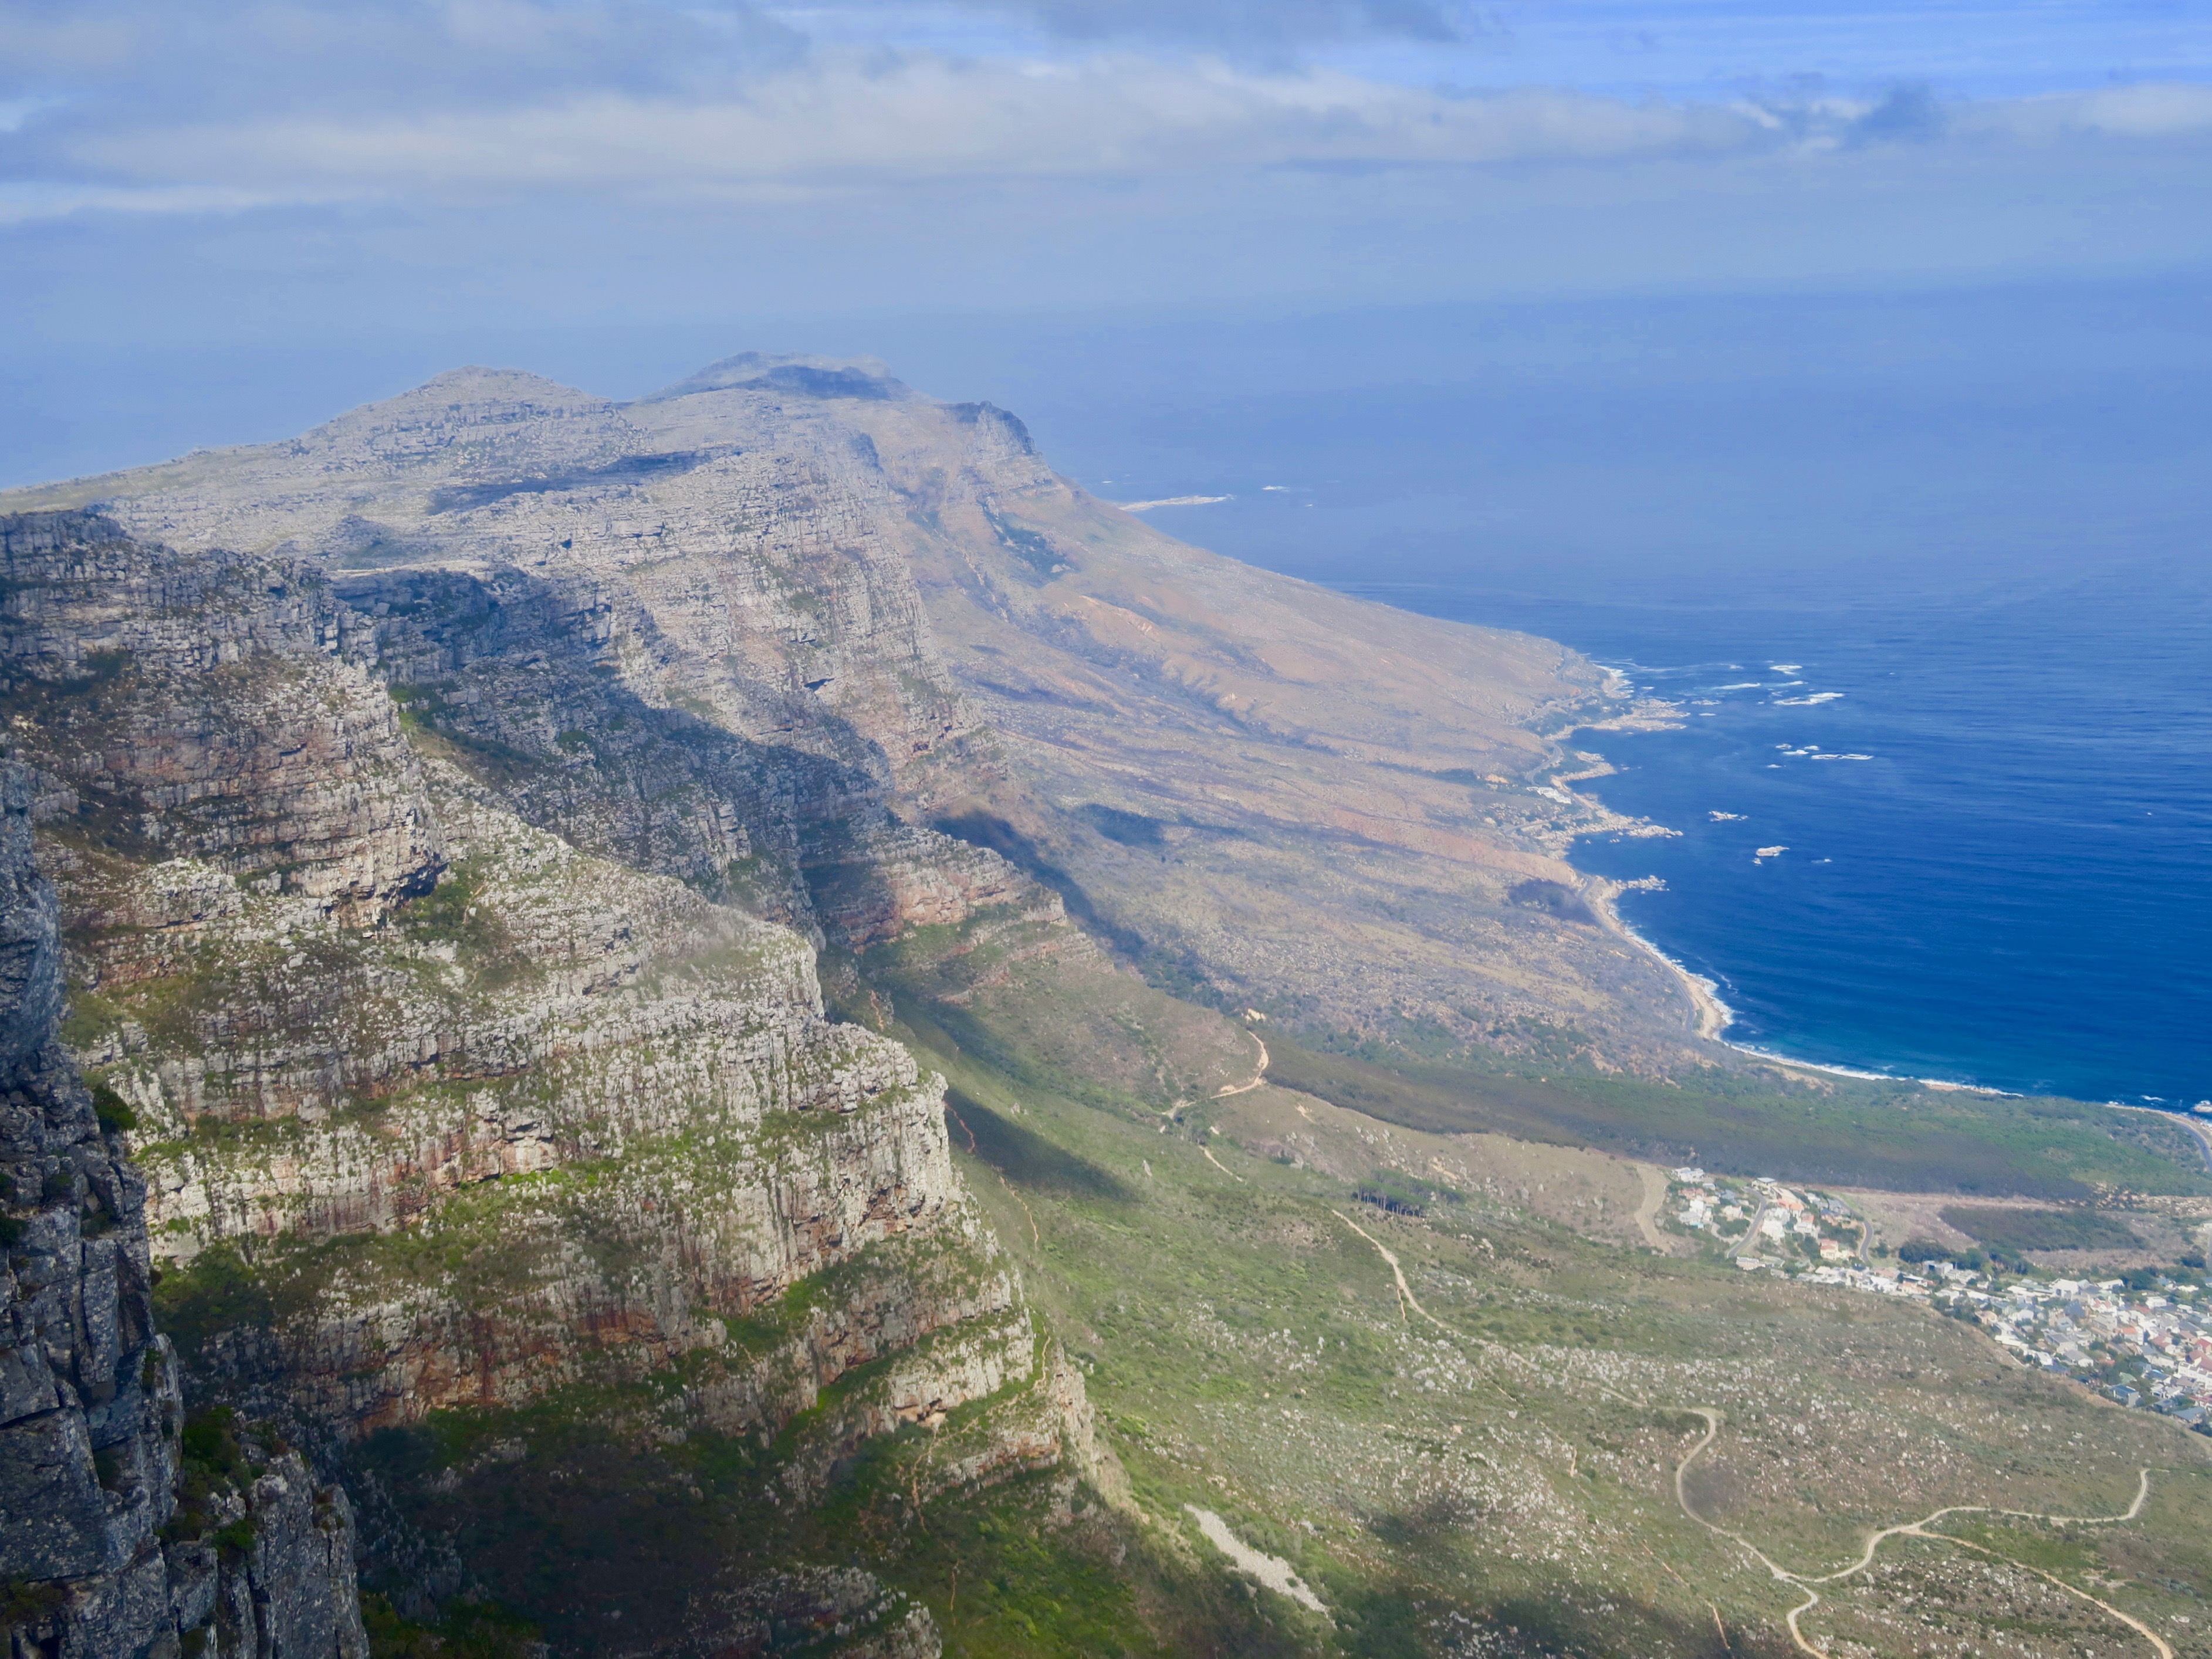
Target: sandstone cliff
[126,1531]
[342,987]
[438,1108]
[1267,793]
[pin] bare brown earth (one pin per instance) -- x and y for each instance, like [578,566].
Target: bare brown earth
[1325,803]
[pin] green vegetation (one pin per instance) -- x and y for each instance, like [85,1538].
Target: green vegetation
[1071,1026]
[213,1294]
[1510,1473]
[471,1630]
[574,1509]
[1024,1156]
[2011,1230]
[217,1462]
[113,1111]
[25,1603]
[1898,1137]
[458,912]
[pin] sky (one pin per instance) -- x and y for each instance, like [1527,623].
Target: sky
[221,221]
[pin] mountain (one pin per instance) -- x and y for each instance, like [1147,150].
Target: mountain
[125,1526]
[684,983]
[895,604]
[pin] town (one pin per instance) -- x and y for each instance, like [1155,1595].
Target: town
[2145,1338]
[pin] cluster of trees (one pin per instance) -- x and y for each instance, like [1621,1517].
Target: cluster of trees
[2190,1268]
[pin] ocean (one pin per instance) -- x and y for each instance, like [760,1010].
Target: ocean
[1966,535]
[1995,825]
[1938,615]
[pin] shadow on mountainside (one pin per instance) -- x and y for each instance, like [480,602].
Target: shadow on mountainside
[981,829]
[1024,1157]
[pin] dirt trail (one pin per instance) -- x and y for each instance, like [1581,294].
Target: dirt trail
[1647,1213]
[1390,1257]
[1258,1077]
[1805,1582]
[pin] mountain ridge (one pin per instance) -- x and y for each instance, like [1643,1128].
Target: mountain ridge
[728,1006]
[989,581]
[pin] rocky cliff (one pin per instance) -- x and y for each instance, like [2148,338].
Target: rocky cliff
[436,1108]
[497,837]
[128,1530]
[1263,791]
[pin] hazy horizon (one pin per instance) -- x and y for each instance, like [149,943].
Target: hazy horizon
[1941,439]
[1798,232]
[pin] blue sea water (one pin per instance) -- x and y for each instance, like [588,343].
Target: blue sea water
[1997,818]
[1930,580]
[1979,523]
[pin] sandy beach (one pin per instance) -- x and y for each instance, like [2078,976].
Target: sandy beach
[1713,1015]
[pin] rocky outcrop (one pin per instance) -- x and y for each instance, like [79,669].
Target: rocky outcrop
[116,1539]
[569,699]
[209,707]
[512,1113]
[468,1060]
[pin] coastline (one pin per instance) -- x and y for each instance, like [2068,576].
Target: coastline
[1714,1017]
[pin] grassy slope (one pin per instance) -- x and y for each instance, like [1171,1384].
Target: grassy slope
[1502,1484]
[1513,1476]
[1499,1483]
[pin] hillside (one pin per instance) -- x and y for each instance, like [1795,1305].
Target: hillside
[753,1025]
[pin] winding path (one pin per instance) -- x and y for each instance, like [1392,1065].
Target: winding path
[1805,1582]
[1712,1419]
[1404,1291]
[1258,1077]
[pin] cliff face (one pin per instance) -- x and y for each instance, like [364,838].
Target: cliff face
[350,996]
[127,1533]
[1294,800]
[456,813]
[213,708]
[437,1106]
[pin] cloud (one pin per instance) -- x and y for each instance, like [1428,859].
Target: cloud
[2146,111]
[840,119]
[137,59]
[1262,24]
[122,106]
[22,203]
